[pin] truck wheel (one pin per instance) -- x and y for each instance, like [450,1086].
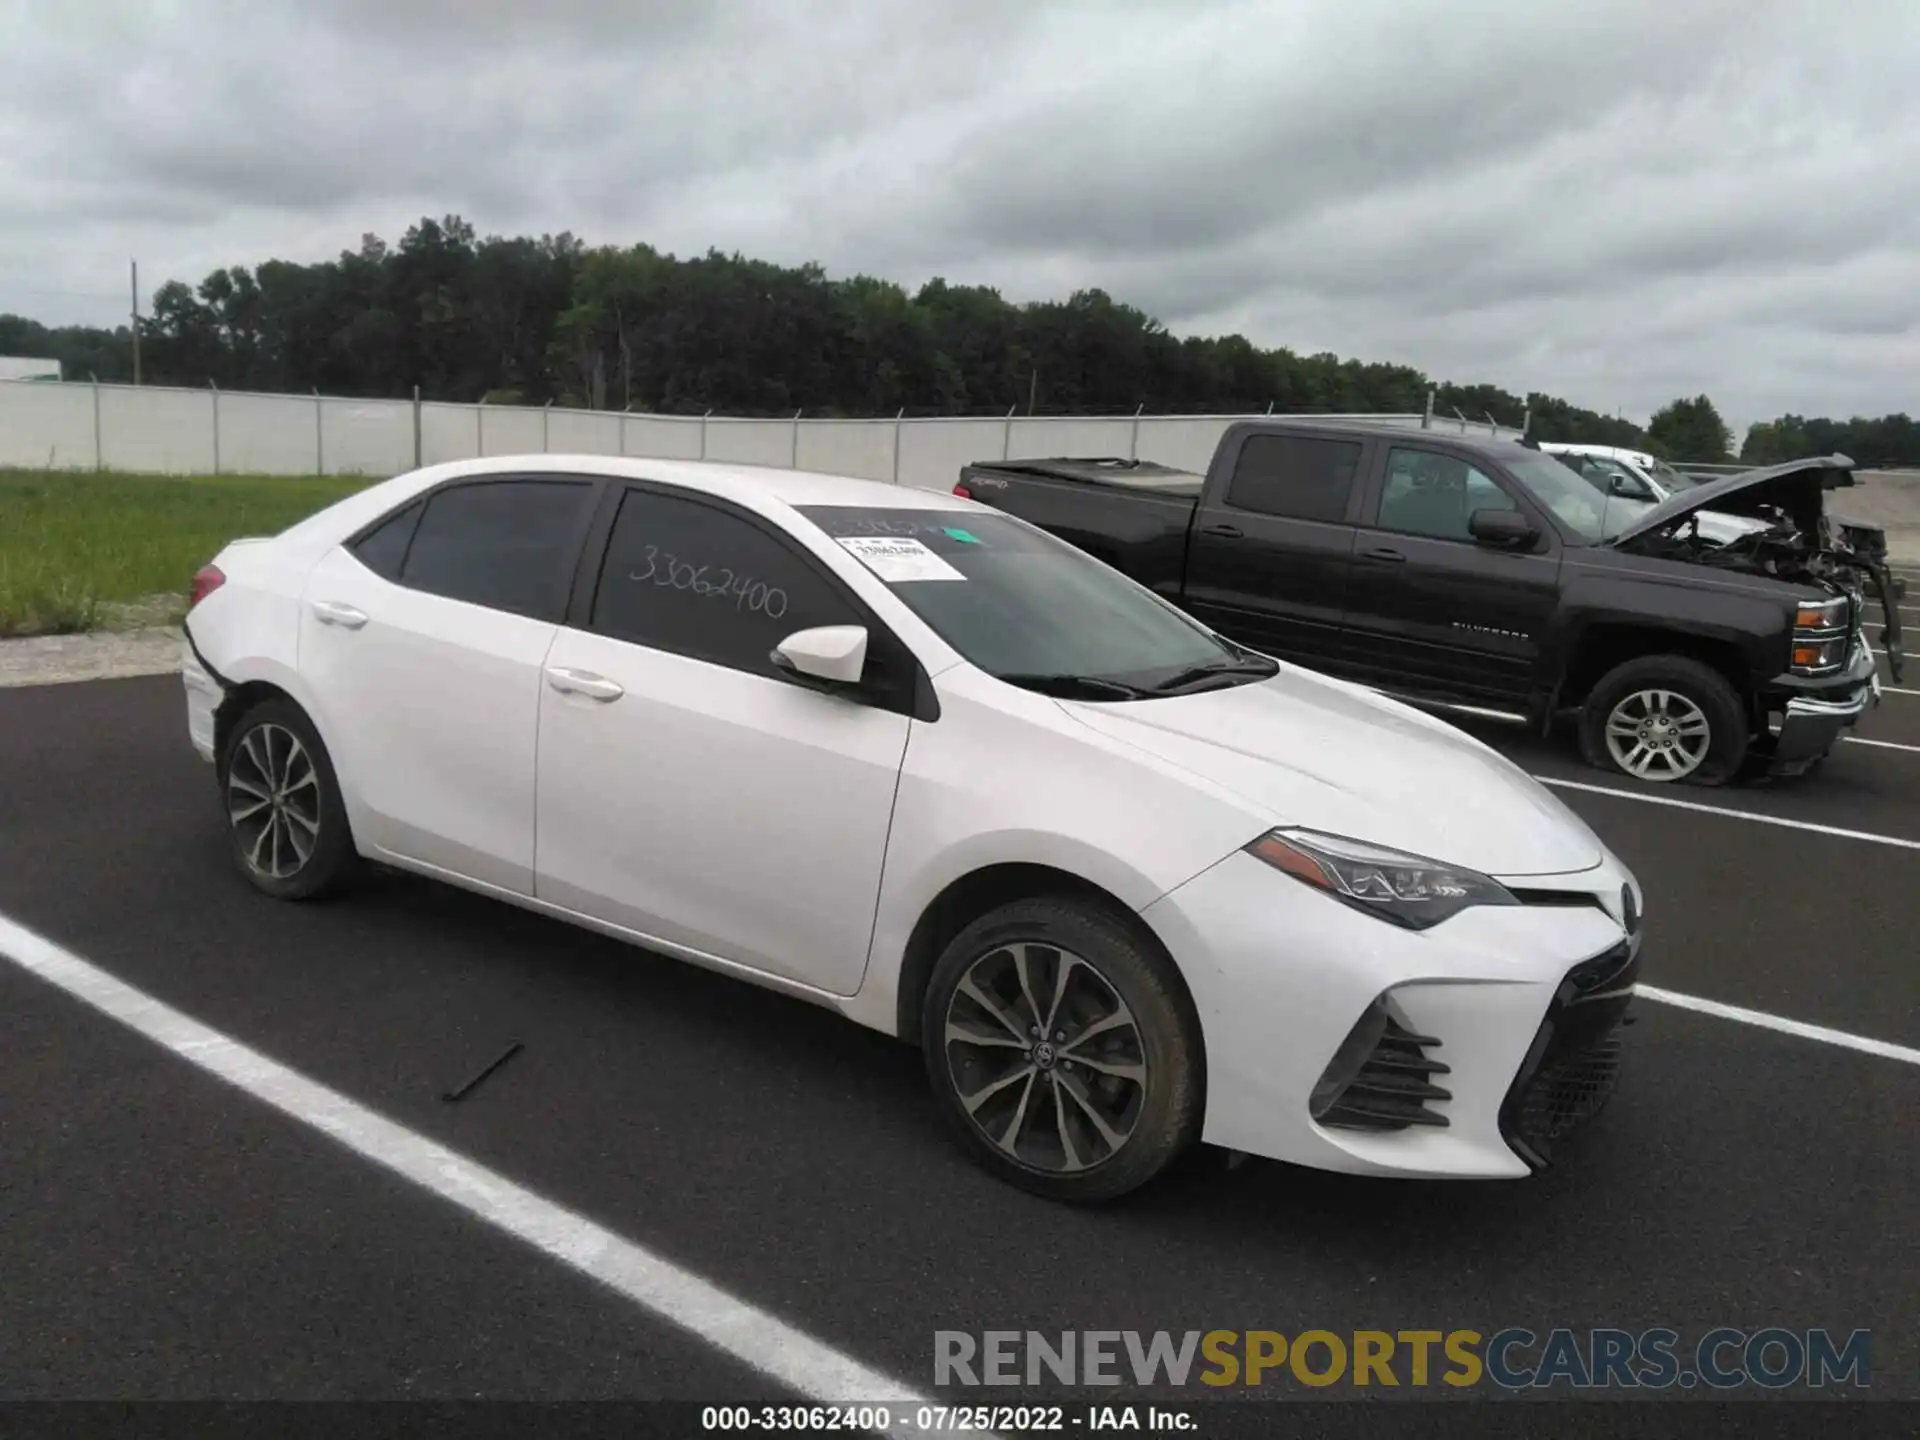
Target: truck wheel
[1063,1052]
[1666,718]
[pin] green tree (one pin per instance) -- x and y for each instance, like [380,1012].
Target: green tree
[1691,430]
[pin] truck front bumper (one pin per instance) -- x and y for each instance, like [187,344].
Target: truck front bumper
[1812,720]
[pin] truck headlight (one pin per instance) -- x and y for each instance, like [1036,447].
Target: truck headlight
[1408,890]
[1820,635]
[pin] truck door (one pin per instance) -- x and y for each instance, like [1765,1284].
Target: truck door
[1431,609]
[1270,550]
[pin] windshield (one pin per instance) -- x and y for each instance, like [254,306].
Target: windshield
[1673,479]
[1032,609]
[1590,514]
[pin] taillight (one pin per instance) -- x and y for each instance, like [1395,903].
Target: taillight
[963,492]
[205,583]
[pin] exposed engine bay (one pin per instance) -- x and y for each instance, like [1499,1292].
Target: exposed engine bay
[1819,554]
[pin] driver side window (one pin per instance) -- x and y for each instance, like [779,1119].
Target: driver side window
[1435,495]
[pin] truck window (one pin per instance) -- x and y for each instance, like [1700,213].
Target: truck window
[1432,494]
[1294,476]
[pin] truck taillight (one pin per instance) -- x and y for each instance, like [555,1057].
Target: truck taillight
[963,492]
[209,579]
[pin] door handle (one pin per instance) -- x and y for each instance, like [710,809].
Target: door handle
[332,612]
[1390,557]
[584,682]
[1225,532]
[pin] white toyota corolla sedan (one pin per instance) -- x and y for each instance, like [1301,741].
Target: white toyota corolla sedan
[1127,884]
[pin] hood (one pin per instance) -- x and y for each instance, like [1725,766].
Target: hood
[1338,758]
[1797,487]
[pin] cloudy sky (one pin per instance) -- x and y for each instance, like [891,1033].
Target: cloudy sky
[1616,201]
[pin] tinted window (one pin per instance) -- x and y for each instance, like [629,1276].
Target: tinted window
[1432,494]
[508,545]
[695,579]
[382,549]
[1291,475]
[1016,601]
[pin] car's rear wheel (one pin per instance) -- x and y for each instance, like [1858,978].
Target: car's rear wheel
[1665,718]
[1063,1050]
[285,819]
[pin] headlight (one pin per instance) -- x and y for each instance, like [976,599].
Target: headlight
[1819,635]
[1821,614]
[1407,889]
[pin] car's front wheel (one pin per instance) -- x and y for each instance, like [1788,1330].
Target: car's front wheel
[1063,1050]
[285,818]
[1665,718]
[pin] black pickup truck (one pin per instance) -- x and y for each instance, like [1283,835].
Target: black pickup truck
[1478,573]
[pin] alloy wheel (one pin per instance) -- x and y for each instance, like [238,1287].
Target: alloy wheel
[273,801]
[1045,1057]
[1658,735]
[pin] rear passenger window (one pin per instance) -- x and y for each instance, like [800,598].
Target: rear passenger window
[697,580]
[383,548]
[1295,476]
[506,544]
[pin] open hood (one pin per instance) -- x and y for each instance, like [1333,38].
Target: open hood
[1797,487]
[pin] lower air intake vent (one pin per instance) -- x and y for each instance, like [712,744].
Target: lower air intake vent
[1562,1096]
[1381,1078]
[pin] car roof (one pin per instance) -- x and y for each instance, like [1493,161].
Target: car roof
[1497,447]
[749,484]
[1606,452]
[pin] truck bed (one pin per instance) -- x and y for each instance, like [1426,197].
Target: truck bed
[1134,515]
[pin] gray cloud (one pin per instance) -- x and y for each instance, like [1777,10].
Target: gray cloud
[1615,202]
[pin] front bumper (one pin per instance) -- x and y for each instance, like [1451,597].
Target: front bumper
[1300,997]
[1807,720]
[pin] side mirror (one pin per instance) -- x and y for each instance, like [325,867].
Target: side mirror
[1501,527]
[836,654]
[1629,489]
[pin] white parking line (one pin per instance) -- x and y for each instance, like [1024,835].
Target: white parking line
[723,1320]
[1882,744]
[1757,819]
[1884,1049]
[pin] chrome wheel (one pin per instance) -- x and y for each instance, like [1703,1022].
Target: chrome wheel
[1045,1058]
[273,801]
[1658,735]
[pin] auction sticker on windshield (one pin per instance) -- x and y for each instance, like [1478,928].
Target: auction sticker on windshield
[897,560]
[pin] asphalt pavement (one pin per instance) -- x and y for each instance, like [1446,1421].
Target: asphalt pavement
[163,1234]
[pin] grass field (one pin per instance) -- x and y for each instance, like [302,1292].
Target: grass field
[78,549]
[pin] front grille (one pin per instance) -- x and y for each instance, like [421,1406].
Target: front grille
[1573,1065]
[1381,1078]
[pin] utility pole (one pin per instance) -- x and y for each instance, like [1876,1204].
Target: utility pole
[136,320]
[1033,390]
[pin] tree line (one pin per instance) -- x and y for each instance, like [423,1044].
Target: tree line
[527,321]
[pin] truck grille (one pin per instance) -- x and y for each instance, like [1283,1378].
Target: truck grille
[1381,1078]
[1573,1065]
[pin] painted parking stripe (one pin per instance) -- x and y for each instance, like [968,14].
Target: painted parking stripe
[658,1285]
[1886,1050]
[1880,744]
[1749,815]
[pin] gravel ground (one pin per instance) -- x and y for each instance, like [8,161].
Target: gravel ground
[102,655]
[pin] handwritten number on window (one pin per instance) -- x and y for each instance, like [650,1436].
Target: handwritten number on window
[670,572]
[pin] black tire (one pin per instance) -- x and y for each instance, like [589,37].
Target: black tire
[1162,1111]
[331,861]
[1700,685]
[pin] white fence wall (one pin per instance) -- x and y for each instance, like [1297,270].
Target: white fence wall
[167,431]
